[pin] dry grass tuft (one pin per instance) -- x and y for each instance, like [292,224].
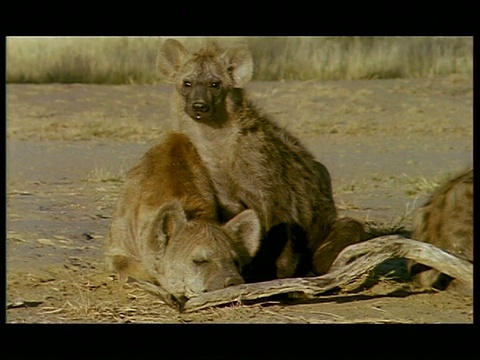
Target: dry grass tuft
[103,175]
[421,185]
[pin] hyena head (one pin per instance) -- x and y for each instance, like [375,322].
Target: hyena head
[199,256]
[204,79]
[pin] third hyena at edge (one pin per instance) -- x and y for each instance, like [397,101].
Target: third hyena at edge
[446,221]
[254,164]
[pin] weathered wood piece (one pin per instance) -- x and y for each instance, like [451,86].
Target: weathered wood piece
[352,263]
[400,247]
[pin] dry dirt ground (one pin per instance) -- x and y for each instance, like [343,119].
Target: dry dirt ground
[387,144]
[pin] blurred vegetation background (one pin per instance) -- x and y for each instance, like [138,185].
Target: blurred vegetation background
[127,60]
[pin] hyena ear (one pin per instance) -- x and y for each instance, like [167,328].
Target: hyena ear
[246,230]
[239,64]
[170,58]
[169,219]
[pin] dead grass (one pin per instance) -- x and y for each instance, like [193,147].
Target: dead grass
[421,185]
[86,127]
[86,294]
[81,127]
[126,60]
[99,175]
[131,306]
[414,187]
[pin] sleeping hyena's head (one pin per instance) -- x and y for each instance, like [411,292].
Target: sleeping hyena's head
[195,256]
[205,78]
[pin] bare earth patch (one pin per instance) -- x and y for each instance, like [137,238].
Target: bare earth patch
[387,144]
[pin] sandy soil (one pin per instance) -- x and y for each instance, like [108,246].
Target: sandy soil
[387,143]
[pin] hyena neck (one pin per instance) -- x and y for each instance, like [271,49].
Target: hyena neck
[243,113]
[214,146]
[217,146]
[214,139]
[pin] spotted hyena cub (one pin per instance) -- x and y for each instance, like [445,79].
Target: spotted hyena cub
[255,164]
[166,228]
[446,221]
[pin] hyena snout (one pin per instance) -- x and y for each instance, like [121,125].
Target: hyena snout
[200,106]
[199,110]
[198,102]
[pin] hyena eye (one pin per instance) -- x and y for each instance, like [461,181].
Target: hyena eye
[215,84]
[199,262]
[187,83]
[200,258]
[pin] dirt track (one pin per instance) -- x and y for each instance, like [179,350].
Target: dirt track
[386,143]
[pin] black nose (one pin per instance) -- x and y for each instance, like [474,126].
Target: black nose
[200,106]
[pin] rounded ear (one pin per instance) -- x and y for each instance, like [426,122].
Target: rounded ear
[239,64]
[246,230]
[168,220]
[169,59]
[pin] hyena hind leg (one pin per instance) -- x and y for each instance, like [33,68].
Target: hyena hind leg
[294,260]
[345,231]
[425,278]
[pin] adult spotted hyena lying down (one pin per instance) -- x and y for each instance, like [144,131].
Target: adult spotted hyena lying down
[165,229]
[254,164]
[446,221]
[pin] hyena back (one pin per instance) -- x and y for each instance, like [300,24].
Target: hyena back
[166,229]
[254,164]
[446,221]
